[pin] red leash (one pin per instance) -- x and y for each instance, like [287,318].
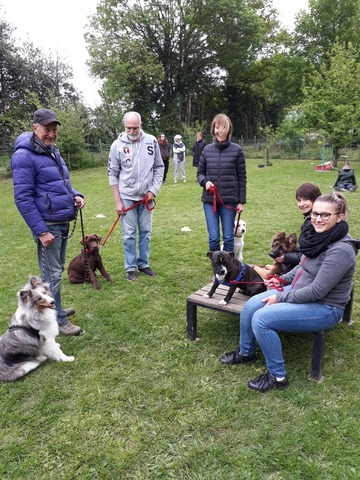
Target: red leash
[279,289]
[136,204]
[216,195]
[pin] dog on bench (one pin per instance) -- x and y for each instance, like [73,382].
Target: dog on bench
[280,244]
[228,269]
[82,268]
[30,338]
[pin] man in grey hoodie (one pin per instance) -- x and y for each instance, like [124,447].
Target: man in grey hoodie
[135,171]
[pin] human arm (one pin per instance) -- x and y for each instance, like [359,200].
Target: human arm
[241,178]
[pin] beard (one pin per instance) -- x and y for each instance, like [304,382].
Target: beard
[133,137]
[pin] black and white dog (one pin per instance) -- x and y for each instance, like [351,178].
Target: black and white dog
[229,271]
[30,338]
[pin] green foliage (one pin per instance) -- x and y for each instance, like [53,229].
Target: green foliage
[332,97]
[141,401]
[175,61]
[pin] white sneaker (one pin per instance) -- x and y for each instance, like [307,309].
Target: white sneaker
[175,181]
[184,180]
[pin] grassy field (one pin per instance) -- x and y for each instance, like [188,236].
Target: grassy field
[141,401]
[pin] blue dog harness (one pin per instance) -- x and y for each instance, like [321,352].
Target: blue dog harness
[237,279]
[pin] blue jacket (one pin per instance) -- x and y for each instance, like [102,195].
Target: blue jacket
[42,188]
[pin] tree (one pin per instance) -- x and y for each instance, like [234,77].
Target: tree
[173,60]
[332,98]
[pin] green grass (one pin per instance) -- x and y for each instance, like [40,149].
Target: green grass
[141,401]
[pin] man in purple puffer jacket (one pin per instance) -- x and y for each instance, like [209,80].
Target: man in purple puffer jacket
[47,202]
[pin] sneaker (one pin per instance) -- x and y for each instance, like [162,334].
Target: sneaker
[236,358]
[69,311]
[354,188]
[131,276]
[184,180]
[175,181]
[337,189]
[69,329]
[266,382]
[147,271]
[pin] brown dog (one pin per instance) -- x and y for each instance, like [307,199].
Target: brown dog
[280,244]
[82,268]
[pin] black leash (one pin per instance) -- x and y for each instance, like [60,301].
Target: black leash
[43,259]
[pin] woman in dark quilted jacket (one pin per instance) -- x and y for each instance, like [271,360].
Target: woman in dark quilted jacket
[222,166]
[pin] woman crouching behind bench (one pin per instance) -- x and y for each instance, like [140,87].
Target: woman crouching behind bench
[313,299]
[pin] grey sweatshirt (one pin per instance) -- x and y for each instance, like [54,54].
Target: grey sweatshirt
[325,279]
[137,167]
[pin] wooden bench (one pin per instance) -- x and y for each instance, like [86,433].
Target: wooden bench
[235,307]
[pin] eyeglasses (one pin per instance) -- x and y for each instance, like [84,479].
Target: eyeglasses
[324,215]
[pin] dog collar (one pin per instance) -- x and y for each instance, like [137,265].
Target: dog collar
[29,330]
[237,279]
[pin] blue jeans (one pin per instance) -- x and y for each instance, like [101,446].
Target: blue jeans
[54,262]
[262,323]
[227,217]
[347,186]
[139,218]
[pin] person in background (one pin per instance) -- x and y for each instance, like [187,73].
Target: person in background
[305,196]
[136,172]
[47,202]
[179,158]
[346,179]
[222,165]
[165,152]
[316,293]
[198,148]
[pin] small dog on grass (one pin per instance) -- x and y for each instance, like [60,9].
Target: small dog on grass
[30,338]
[228,269]
[280,244]
[82,268]
[239,233]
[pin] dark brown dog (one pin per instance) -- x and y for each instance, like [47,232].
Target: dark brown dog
[82,268]
[280,244]
[227,268]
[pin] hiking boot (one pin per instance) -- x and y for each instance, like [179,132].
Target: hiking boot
[131,276]
[69,329]
[147,271]
[237,358]
[266,382]
[69,311]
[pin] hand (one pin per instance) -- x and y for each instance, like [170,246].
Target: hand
[272,283]
[79,202]
[150,196]
[47,239]
[119,207]
[280,259]
[269,300]
[239,207]
[208,185]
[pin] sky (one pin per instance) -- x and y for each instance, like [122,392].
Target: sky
[58,27]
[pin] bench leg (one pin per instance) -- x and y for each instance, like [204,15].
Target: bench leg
[191,320]
[317,356]
[348,308]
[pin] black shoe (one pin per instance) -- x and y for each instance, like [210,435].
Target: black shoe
[147,271]
[235,358]
[131,276]
[266,382]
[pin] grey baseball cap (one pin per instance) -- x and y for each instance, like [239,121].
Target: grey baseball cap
[45,116]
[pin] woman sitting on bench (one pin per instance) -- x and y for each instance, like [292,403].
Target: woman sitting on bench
[313,299]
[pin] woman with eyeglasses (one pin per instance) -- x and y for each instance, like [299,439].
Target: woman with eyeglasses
[305,196]
[313,299]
